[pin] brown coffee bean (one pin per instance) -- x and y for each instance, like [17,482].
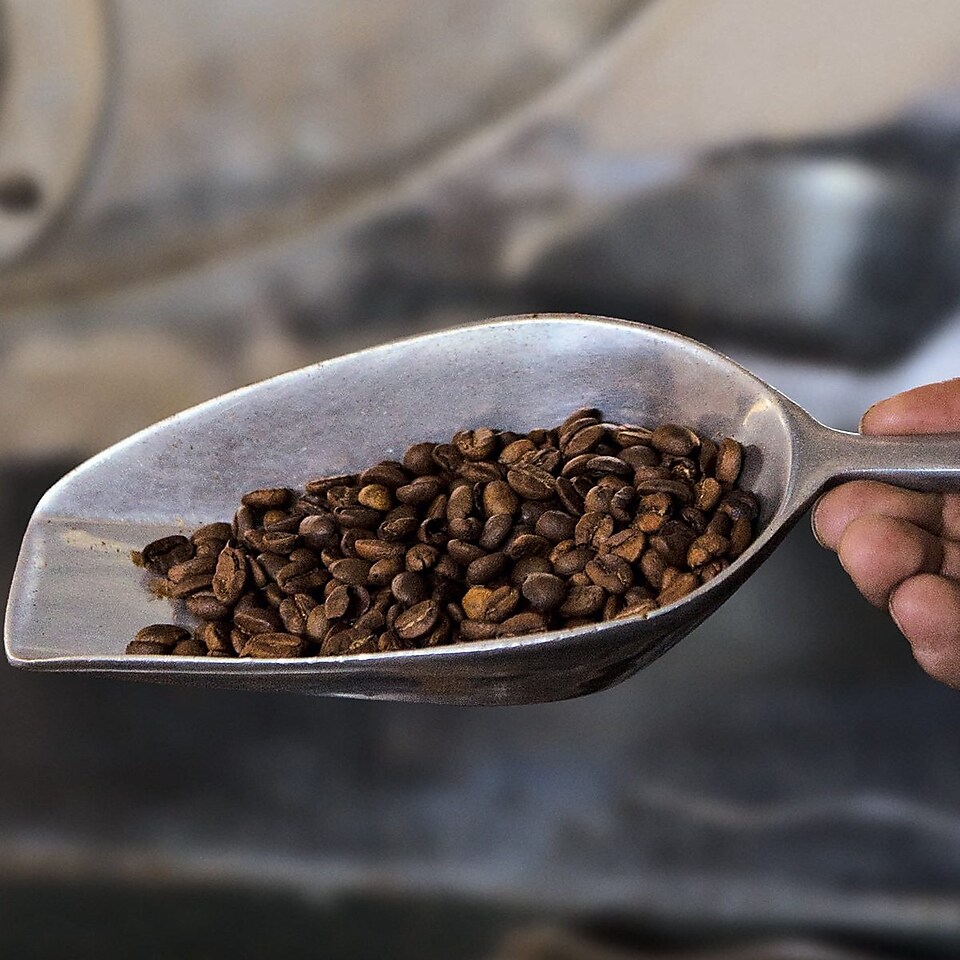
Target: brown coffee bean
[468,529]
[652,565]
[678,588]
[527,545]
[581,413]
[695,519]
[521,623]
[350,570]
[421,556]
[277,645]
[555,525]
[258,620]
[712,569]
[532,482]
[570,496]
[676,440]
[238,640]
[706,547]
[416,621]
[419,459]
[627,544]
[609,465]
[460,503]
[318,623]
[465,553]
[375,549]
[383,571]
[447,457]
[486,568]
[544,591]
[212,531]
[293,617]
[178,591]
[206,606]
[163,635]
[741,534]
[569,557]
[230,577]
[265,499]
[399,524]
[740,503]
[611,572]
[478,630]
[196,566]
[387,473]
[526,566]
[418,491]
[477,444]
[720,524]
[279,542]
[672,542]
[593,529]
[583,440]
[583,601]
[319,531]
[337,602]
[376,496]
[496,530]
[160,555]
[215,637]
[639,456]
[632,436]
[729,460]
[189,647]
[499,498]
[410,588]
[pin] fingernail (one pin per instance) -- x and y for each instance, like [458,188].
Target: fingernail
[867,412]
[813,524]
[891,610]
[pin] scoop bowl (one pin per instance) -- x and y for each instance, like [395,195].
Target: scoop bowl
[76,599]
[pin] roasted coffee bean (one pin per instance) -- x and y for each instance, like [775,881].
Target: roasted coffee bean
[376,496]
[495,531]
[212,531]
[555,525]
[531,482]
[189,647]
[628,544]
[465,553]
[611,572]
[706,547]
[492,534]
[527,622]
[678,588]
[273,645]
[526,566]
[258,620]
[469,529]
[593,529]
[266,499]
[583,440]
[318,531]
[419,459]
[544,591]
[417,620]
[160,555]
[741,534]
[215,637]
[410,588]
[205,606]
[500,498]
[676,440]
[527,545]
[729,460]
[477,444]
[387,473]
[196,566]
[157,638]
[486,568]
[460,502]
[569,557]
[672,541]
[383,571]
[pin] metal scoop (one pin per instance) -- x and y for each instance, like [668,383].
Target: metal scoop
[76,599]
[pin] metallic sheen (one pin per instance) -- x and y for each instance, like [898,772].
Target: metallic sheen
[76,599]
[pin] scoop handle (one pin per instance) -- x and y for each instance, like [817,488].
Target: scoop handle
[928,462]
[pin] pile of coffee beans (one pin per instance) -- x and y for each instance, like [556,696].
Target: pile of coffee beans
[494,534]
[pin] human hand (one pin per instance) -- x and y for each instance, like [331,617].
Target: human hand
[902,548]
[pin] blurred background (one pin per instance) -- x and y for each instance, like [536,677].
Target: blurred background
[195,195]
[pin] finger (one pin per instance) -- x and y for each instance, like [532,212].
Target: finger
[926,608]
[933,408]
[938,514]
[881,552]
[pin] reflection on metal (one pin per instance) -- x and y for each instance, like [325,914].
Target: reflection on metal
[53,89]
